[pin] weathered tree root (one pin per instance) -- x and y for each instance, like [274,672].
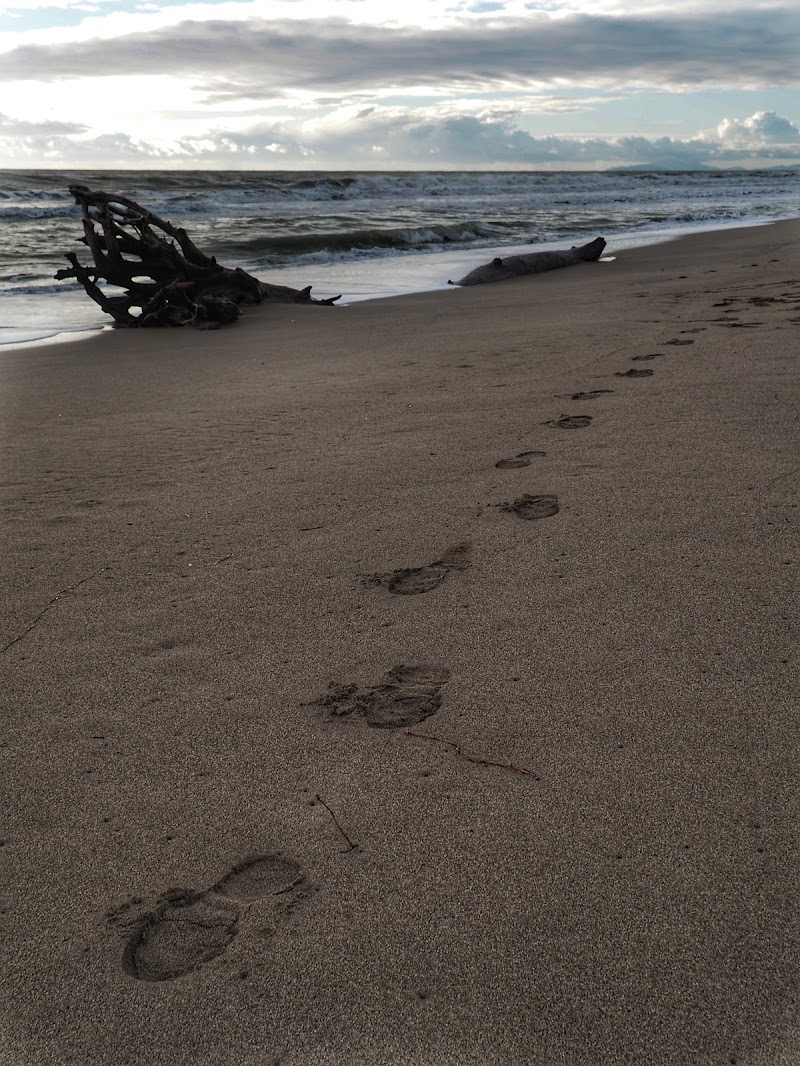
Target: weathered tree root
[167,280]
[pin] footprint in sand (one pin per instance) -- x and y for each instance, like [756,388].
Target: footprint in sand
[642,358]
[519,460]
[532,507]
[189,928]
[570,422]
[589,395]
[409,695]
[634,374]
[418,579]
[676,340]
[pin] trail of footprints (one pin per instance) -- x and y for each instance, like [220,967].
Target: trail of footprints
[408,694]
[187,928]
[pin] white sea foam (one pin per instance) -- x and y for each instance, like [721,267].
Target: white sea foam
[12,339]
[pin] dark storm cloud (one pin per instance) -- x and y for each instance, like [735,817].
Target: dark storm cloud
[265,58]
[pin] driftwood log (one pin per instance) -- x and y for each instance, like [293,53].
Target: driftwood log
[167,280]
[515,266]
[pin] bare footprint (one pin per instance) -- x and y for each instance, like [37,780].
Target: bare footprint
[533,507]
[634,374]
[676,340]
[570,422]
[642,358]
[592,395]
[519,460]
[409,695]
[419,579]
[189,928]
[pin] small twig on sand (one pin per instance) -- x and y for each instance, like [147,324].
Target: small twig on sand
[224,557]
[48,605]
[775,480]
[336,822]
[482,759]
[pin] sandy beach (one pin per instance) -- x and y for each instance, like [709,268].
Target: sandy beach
[412,683]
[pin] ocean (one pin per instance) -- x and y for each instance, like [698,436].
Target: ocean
[362,234]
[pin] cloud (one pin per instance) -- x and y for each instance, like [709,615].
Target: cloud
[261,59]
[65,143]
[33,142]
[36,141]
[444,137]
[12,127]
[369,136]
[765,128]
[429,138]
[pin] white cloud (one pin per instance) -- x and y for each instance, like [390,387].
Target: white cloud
[36,141]
[440,137]
[12,127]
[765,128]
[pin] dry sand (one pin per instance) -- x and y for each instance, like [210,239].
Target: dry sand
[201,537]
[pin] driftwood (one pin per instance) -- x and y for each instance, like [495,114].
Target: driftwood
[514,266]
[167,280]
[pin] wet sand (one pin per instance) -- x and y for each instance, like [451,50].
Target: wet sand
[413,682]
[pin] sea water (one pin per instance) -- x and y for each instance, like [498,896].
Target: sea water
[360,234]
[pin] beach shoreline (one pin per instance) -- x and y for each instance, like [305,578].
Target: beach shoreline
[411,683]
[66,311]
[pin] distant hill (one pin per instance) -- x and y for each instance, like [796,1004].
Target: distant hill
[673,168]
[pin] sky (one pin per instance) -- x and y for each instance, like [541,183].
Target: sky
[422,84]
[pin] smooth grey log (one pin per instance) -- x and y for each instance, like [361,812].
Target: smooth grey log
[515,266]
